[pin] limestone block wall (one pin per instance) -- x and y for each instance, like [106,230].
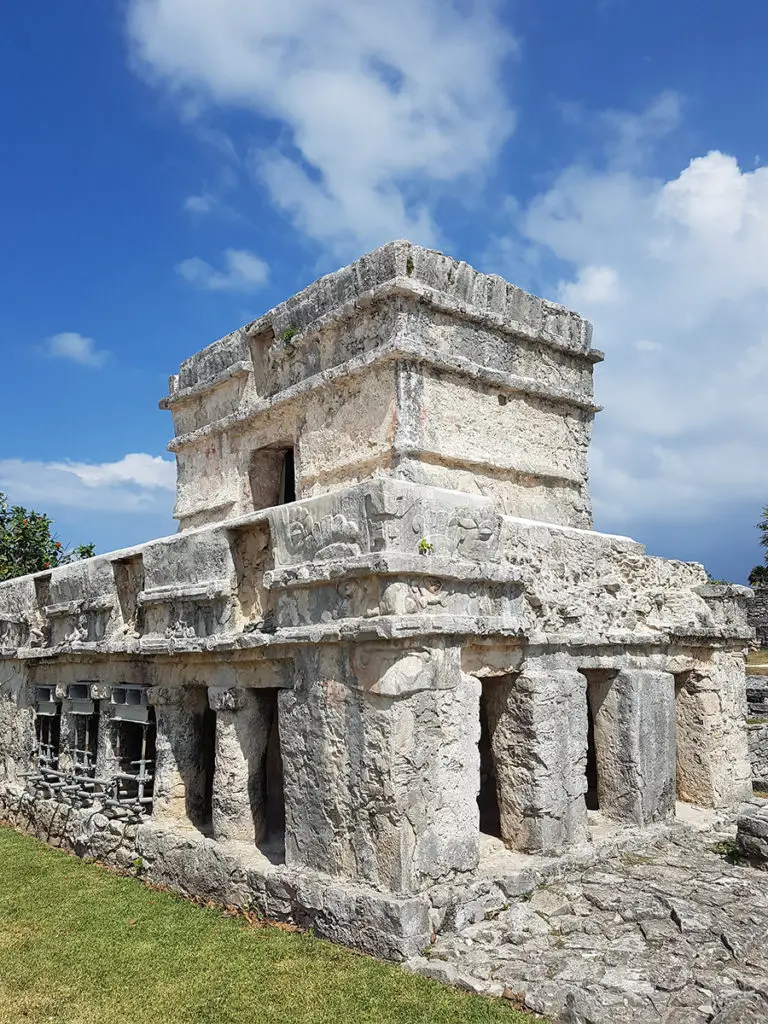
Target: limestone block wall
[758,615]
[406,363]
[333,682]
[758,753]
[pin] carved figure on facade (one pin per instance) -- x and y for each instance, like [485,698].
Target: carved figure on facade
[331,536]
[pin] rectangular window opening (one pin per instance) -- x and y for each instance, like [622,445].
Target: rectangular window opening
[272,476]
[84,745]
[287,492]
[133,746]
[48,735]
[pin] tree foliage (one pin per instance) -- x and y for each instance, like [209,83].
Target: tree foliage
[27,543]
[759,575]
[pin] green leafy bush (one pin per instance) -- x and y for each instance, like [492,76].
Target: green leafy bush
[27,543]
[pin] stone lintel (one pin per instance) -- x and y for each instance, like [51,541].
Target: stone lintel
[393,670]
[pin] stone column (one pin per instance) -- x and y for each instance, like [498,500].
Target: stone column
[713,768]
[537,724]
[381,765]
[243,724]
[67,733]
[107,764]
[180,788]
[634,716]
[17,721]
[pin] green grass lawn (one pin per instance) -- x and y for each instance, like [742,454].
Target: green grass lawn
[80,945]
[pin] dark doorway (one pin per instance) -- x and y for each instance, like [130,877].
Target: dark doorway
[272,476]
[274,810]
[593,803]
[202,814]
[487,798]
[48,732]
[287,490]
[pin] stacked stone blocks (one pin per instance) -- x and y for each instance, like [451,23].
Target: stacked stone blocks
[385,609]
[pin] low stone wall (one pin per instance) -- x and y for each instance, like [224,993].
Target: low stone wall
[758,753]
[235,874]
[758,615]
[752,833]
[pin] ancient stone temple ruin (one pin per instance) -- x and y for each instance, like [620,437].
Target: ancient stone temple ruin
[386,638]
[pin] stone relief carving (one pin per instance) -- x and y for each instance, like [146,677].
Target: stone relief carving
[379,668]
[180,630]
[10,634]
[476,536]
[333,536]
[79,633]
[408,597]
[389,517]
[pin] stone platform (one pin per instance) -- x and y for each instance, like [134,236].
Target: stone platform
[385,630]
[672,931]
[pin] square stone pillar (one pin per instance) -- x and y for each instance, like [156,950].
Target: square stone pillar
[634,716]
[381,765]
[713,768]
[107,764]
[17,722]
[537,725]
[181,783]
[243,723]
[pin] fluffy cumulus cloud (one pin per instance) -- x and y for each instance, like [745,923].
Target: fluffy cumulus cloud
[674,275]
[75,348]
[137,482]
[380,102]
[243,272]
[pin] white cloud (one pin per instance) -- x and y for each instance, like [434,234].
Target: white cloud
[136,483]
[374,98]
[674,275]
[76,348]
[203,203]
[244,272]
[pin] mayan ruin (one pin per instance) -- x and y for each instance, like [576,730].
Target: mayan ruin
[386,677]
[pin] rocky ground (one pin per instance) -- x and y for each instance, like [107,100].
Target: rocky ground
[677,933]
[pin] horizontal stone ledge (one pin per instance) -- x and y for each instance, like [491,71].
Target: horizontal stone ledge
[528,470]
[389,564]
[410,287]
[208,590]
[716,632]
[388,352]
[55,611]
[239,369]
[390,627]
[725,590]
[98,604]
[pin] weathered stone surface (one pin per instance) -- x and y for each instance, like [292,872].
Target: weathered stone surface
[674,934]
[382,492]
[243,724]
[758,615]
[752,835]
[537,723]
[634,716]
[377,787]
[757,732]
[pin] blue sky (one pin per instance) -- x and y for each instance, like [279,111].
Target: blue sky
[173,168]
